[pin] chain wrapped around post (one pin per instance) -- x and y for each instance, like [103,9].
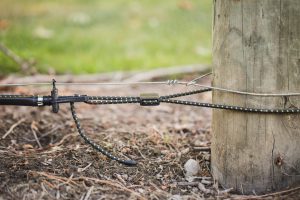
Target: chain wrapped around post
[169,99]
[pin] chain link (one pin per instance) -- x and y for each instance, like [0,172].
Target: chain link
[168,99]
[93,144]
[164,99]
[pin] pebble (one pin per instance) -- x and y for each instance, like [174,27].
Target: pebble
[140,190]
[191,167]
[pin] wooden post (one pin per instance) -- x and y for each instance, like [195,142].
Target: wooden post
[256,48]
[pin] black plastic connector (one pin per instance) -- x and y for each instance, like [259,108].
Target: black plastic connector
[54,96]
[149,99]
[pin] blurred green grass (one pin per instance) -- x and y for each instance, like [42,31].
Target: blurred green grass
[75,36]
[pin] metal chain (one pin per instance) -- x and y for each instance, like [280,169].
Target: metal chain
[235,108]
[163,99]
[167,99]
[94,145]
[132,99]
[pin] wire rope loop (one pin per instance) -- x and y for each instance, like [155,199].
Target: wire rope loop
[172,82]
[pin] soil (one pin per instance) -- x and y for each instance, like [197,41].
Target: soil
[43,156]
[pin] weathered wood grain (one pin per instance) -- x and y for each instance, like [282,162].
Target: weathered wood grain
[256,48]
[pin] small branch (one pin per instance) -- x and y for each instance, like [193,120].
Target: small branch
[54,177]
[111,183]
[88,194]
[119,177]
[24,64]
[9,53]
[33,129]
[12,128]
[85,168]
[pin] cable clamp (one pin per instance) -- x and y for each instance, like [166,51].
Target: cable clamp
[40,100]
[149,99]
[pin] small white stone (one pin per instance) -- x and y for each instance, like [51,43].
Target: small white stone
[191,167]
[140,190]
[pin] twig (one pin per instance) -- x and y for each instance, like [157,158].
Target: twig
[158,189]
[138,149]
[51,131]
[49,184]
[193,183]
[33,128]
[9,53]
[114,184]
[83,169]
[201,148]
[54,177]
[12,128]
[120,179]
[68,181]
[43,187]
[24,64]
[64,138]
[88,194]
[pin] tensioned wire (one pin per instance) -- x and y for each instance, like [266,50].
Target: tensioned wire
[168,82]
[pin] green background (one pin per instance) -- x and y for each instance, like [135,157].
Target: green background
[76,36]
